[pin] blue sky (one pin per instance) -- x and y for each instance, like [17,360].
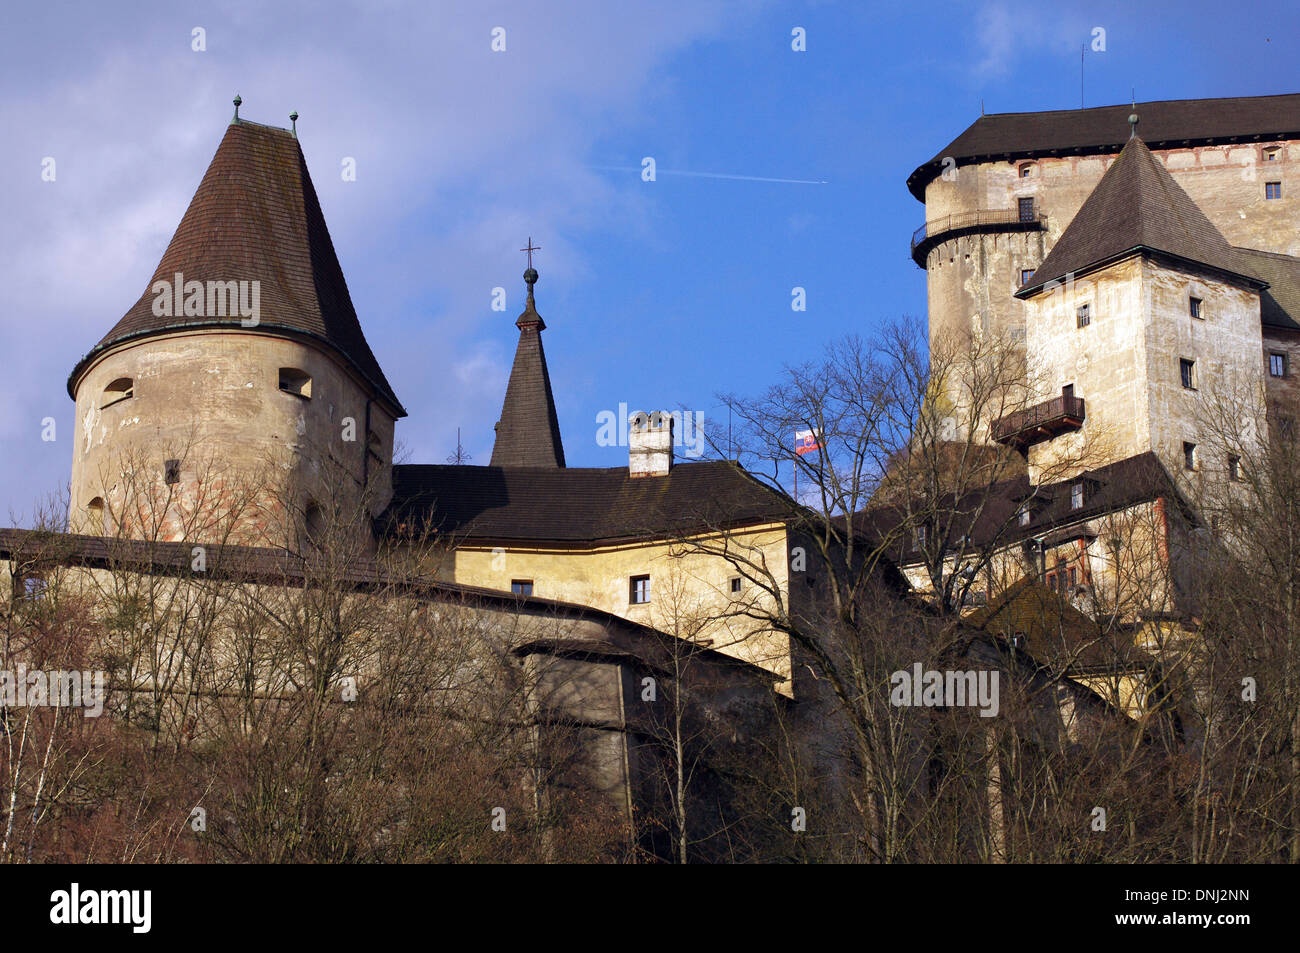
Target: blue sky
[657,294]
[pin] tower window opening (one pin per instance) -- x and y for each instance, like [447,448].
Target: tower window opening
[1234,469]
[1025,275]
[121,389]
[1083,315]
[1026,169]
[1277,364]
[171,472]
[1076,496]
[1272,190]
[95,517]
[638,590]
[1187,371]
[296,382]
[1272,153]
[1026,209]
[1194,306]
[1189,456]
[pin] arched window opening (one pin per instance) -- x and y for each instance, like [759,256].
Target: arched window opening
[96,517]
[116,392]
[296,382]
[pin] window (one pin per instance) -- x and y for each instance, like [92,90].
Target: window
[638,590]
[1083,316]
[735,585]
[1272,153]
[171,472]
[95,524]
[1194,306]
[1272,190]
[1026,208]
[29,586]
[1286,428]
[1076,496]
[521,587]
[1026,169]
[1025,275]
[918,537]
[1234,469]
[1189,456]
[1025,516]
[1276,364]
[296,382]
[1187,371]
[116,392]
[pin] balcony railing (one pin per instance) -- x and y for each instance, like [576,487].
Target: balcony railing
[1040,422]
[984,220]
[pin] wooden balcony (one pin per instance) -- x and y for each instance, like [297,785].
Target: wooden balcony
[969,223]
[1040,422]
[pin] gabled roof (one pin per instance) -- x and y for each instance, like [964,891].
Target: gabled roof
[256,217]
[1102,130]
[1279,305]
[1137,206]
[528,433]
[576,506]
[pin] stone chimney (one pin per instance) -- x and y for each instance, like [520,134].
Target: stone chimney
[650,444]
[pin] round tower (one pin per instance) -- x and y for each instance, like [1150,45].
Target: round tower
[238,397]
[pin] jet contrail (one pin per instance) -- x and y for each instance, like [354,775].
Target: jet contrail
[711,175]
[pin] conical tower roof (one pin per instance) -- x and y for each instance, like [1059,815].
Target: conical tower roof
[528,433]
[1137,206]
[256,217]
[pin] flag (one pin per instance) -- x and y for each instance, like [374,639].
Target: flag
[806,441]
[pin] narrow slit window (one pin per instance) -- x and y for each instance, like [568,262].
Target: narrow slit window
[1234,469]
[1189,456]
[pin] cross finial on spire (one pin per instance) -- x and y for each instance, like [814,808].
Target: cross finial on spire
[530,274]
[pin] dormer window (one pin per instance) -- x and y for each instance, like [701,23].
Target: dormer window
[296,382]
[121,389]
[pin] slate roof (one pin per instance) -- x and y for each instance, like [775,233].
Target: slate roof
[1102,130]
[256,217]
[1279,305]
[576,506]
[1137,206]
[528,431]
[1107,489]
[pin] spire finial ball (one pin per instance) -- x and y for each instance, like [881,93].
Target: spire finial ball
[530,276]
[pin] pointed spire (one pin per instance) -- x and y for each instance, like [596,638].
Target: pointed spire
[528,433]
[1136,207]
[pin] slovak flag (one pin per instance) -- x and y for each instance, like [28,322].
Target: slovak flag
[806,441]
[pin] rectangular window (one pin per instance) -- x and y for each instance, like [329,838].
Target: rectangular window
[171,472]
[1025,516]
[1189,456]
[1076,496]
[1025,275]
[1194,306]
[1084,315]
[735,585]
[1234,469]
[1272,190]
[1272,153]
[918,537]
[1276,364]
[1073,577]
[521,587]
[638,590]
[1187,370]
[1026,208]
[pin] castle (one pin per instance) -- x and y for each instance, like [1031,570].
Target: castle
[1135,259]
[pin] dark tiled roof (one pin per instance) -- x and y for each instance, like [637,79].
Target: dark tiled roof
[1102,130]
[1279,305]
[1055,631]
[256,217]
[576,506]
[1137,205]
[528,433]
[1107,489]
